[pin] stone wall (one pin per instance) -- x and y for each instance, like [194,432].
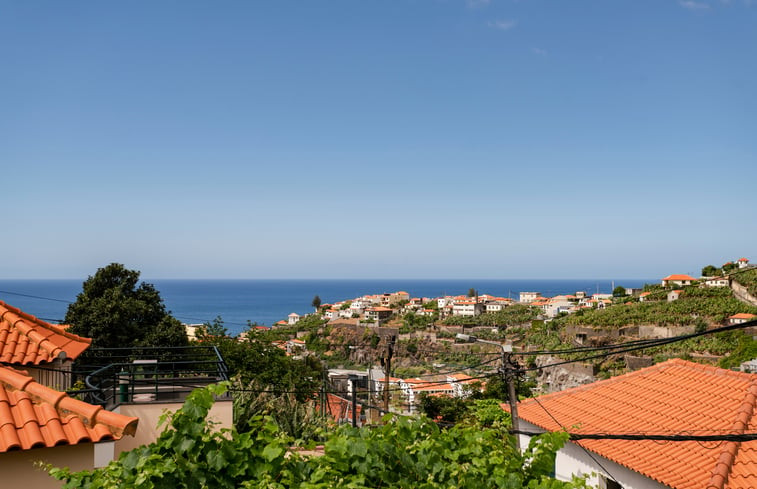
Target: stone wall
[635,363]
[561,377]
[742,293]
[654,331]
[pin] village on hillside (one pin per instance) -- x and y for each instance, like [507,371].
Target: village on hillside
[431,324]
[673,362]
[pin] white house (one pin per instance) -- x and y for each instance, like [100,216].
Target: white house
[293,318]
[678,279]
[743,262]
[741,318]
[468,308]
[529,296]
[716,282]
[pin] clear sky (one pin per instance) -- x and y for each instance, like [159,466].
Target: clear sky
[377,139]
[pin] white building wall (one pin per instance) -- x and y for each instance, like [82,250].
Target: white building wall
[574,460]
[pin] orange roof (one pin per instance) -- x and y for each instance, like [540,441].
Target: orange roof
[340,408]
[679,277]
[671,397]
[35,416]
[25,340]
[742,315]
[433,386]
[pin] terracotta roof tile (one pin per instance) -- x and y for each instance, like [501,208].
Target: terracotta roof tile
[33,416]
[671,397]
[679,277]
[26,340]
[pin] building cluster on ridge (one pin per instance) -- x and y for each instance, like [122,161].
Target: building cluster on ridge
[377,308]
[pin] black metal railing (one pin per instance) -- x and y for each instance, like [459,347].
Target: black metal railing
[124,375]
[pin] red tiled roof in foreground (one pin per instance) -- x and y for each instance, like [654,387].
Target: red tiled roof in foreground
[674,397]
[26,340]
[35,416]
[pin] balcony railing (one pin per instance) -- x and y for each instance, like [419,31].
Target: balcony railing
[115,376]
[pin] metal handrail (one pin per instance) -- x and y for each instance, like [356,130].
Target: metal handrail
[117,382]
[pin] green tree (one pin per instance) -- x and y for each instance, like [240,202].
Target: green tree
[115,310]
[709,271]
[619,291]
[472,292]
[316,302]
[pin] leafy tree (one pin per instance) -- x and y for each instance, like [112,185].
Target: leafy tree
[619,291]
[115,310]
[403,453]
[316,302]
[472,292]
[709,271]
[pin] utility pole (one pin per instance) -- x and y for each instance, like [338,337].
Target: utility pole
[352,379]
[388,366]
[509,371]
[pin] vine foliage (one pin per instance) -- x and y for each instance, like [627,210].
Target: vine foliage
[403,453]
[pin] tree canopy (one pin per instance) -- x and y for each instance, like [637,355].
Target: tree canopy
[116,310]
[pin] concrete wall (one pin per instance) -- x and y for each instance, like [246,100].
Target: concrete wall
[635,363]
[149,413]
[18,470]
[652,331]
[742,294]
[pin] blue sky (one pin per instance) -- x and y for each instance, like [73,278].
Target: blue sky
[386,139]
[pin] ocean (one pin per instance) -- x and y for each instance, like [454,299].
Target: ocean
[268,301]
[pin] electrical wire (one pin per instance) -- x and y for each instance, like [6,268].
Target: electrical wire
[35,297]
[582,447]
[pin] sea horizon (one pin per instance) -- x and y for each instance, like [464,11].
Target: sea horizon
[266,301]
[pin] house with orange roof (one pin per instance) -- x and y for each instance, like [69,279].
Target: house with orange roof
[741,318]
[463,384]
[675,397]
[674,295]
[678,279]
[39,422]
[743,262]
[378,314]
[340,410]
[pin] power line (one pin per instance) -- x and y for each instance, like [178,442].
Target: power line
[582,447]
[653,344]
[35,297]
[740,437]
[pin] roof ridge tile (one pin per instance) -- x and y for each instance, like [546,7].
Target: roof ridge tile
[744,414]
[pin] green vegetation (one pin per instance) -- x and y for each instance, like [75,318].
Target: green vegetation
[711,303]
[748,279]
[514,315]
[401,454]
[115,310]
[412,322]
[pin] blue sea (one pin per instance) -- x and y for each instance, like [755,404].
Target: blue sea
[268,301]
